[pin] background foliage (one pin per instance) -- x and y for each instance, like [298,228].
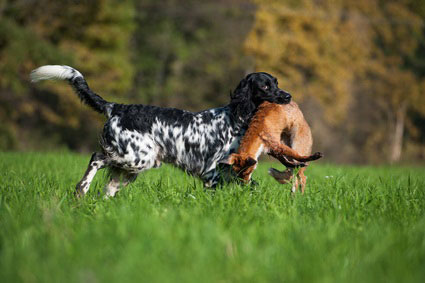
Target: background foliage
[356,67]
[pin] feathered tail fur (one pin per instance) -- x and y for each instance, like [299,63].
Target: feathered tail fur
[77,81]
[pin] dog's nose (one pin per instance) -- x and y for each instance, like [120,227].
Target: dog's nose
[286,96]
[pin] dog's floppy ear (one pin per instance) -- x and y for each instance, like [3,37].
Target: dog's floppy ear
[229,160]
[241,99]
[242,90]
[250,161]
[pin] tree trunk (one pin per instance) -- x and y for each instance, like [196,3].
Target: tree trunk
[398,133]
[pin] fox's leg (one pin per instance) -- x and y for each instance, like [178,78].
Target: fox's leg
[283,177]
[302,178]
[288,162]
[277,150]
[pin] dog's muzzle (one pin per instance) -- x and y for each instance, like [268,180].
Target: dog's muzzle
[284,97]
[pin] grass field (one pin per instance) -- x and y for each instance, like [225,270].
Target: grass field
[358,224]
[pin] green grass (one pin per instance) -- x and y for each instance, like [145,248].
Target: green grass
[361,224]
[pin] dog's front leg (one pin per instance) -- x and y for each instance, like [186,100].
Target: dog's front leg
[97,161]
[211,179]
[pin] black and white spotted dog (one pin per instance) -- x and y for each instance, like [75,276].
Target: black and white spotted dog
[140,137]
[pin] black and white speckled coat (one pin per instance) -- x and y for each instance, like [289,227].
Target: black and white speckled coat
[140,137]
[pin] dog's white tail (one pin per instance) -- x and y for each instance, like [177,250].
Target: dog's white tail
[76,79]
[51,72]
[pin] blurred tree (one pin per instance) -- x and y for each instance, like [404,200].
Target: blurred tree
[187,53]
[347,55]
[183,54]
[312,47]
[397,31]
[92,36]
[356,66]
[416,113]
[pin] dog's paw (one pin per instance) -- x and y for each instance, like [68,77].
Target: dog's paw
[78,194]
[254,183]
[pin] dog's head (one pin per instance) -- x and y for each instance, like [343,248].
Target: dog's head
[253,90]
[243,166]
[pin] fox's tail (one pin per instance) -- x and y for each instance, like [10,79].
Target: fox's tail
[77,81]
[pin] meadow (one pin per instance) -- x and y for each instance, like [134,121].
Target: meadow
[353,224]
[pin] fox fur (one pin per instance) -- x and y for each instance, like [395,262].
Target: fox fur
[282,132]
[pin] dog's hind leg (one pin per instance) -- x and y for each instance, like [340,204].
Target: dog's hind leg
[97,161]
[119,179]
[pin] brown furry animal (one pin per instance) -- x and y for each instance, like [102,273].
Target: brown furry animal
[271,124]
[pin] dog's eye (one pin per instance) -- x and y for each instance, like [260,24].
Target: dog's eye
[266,87]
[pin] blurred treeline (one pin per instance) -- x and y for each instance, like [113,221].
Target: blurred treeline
[357,67]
